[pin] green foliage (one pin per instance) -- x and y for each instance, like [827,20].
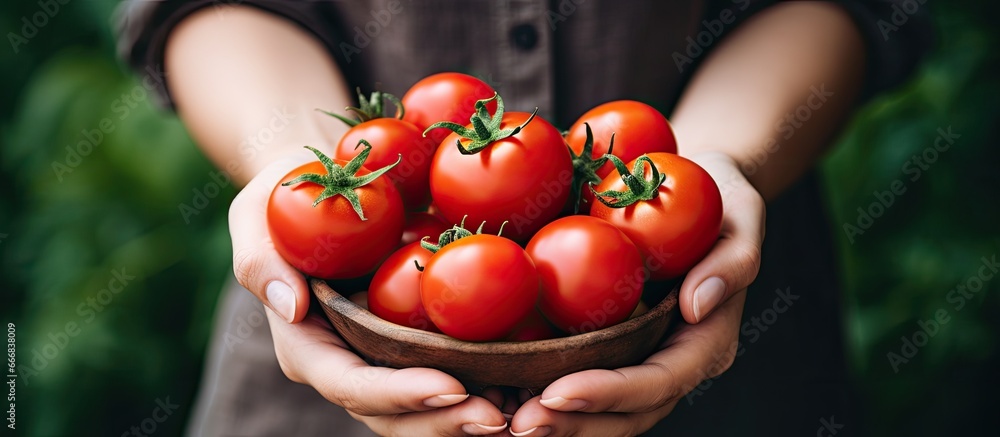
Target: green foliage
[117,211]
[904,268]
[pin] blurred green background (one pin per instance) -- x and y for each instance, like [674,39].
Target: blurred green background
[65,234]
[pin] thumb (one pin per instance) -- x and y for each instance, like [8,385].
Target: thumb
[257,265]
[734,261]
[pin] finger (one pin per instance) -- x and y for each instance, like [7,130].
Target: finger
[534,420]
[693,354]
[475,416]
[258,267]
[310,353]
[734,261]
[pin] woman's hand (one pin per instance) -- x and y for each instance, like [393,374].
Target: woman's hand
[631,400]
[408,402]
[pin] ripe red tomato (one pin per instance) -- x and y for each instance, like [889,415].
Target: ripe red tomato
[638,129]
[478,288]
[592,274]
[520,173]
[444,96]
[327,235]
[394,294]
[422,224]
[390,138]
[532,328]
[679,220]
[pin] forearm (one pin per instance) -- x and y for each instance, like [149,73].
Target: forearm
[247,83]
[747,98]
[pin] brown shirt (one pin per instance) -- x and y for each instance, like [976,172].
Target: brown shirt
[566,56]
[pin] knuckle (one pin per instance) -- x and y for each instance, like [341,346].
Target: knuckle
[663,392]
[342,391]
[747,263]
[247,266]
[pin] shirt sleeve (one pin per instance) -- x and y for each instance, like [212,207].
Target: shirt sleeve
[143,27]
[898,34]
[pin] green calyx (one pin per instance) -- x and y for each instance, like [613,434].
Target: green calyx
[485,128]
[639,188]
[456,233]
[370,108]
[343,180]
[585,167]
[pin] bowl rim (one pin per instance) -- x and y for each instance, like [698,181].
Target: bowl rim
[330,298]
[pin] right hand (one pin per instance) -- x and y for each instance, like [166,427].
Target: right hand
[413,401]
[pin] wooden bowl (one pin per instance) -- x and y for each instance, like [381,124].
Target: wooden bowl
[532,365]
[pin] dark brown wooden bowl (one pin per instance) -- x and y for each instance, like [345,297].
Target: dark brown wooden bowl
[532,365]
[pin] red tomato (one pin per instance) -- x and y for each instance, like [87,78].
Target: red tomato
[592,274]
[638,129]
[680,221]
[522,178]
[421,224]
[532,328]
[444,96]
[389,138]
[478,288]
[394,294]
[326,237]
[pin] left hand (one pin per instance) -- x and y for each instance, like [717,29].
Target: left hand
[630,400]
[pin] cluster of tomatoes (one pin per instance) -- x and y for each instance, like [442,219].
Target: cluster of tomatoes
[569,229]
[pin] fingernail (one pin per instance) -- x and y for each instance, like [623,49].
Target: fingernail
[707,296]
[282,299]
[480,429]
[444,400]
[538,431]
[560,403]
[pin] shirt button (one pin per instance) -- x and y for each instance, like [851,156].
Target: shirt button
[524,36]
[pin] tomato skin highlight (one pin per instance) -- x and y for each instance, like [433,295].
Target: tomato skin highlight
[479,288]
[523,179]
[444,97]
[422,224]
[676,229]
[394,294]
[330,241]
[592,274]
[390,138]
[638,128]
